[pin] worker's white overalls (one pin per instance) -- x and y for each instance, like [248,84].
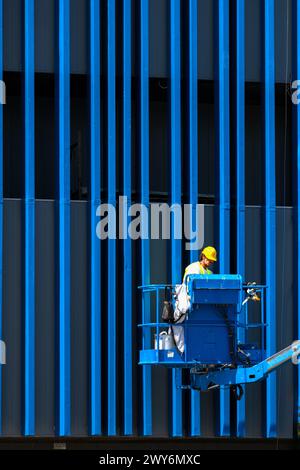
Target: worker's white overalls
[182,304]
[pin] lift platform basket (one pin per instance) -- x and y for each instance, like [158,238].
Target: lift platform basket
[211,327]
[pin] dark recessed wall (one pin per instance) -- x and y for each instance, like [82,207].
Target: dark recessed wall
[159,141]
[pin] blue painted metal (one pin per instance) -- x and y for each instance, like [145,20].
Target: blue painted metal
[239,120]
[95,427]
[296,195]
[222,376]
[268,79]
[175,110]
[1,199]
[111,268]
[193,166]
[29,218]
[127,248]
[144,176]
[63,426]
[222,169]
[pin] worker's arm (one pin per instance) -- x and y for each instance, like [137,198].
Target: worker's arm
[188,270]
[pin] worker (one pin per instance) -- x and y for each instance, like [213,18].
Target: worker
[207,258]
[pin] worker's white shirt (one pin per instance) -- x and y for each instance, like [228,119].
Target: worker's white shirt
[196,268]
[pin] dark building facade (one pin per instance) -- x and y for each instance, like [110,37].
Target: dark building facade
[171,101]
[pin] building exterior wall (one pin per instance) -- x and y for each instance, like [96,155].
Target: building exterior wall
[46,366]
[169,101]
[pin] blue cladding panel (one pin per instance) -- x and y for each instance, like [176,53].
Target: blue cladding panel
[193,165]
[127,252]
[144,165]
[29,207]
[111,158]
[296,192]
[63,109]
[268,79]
[222,149]
[175,185]
[95,254]
[239,123]
[1,199]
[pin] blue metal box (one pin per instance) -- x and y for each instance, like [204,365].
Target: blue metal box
[216,289]
[211,324]
[208,335]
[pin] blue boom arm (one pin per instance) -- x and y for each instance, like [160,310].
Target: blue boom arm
[242,375]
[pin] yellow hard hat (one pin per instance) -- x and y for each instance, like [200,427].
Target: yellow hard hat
[210,253]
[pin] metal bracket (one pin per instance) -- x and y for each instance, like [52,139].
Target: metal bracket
[296,356]
[2,352]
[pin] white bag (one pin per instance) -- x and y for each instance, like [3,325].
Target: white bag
[182,305]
